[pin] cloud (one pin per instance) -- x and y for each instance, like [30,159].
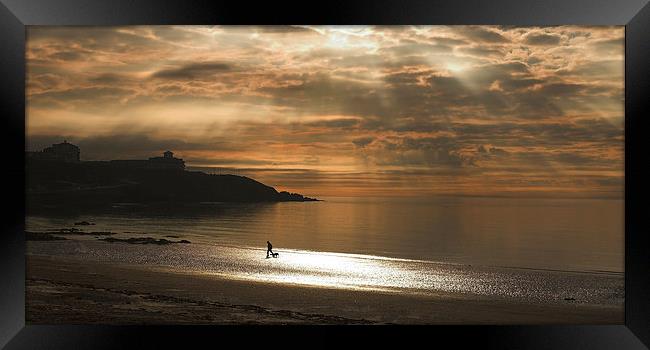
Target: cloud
[614,46]
[481,51]
[68,55]
[278,29]
[109,78]
[84,95]
[562,89]
[542,39]
[421,151]
[322,94]
[481,34]
[335,123]
[417,49]
[363,141]
[193,71]
[596,69]
[453,42]
[466,105]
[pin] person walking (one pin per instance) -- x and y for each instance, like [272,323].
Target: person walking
[269,248]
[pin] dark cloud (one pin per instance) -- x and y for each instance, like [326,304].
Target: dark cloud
[562,89]
[512,83]
[44,82]
[193,71]
[110,78]
[499,151]
[610,181]
[534,105]
[542,39]
[363,141]
[334,123]
[532,60]
[68,55]
[576,159]
[487,154]
[447,85]
[424,151]
[407,124]
[481,34]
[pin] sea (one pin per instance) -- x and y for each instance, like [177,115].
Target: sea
[527,249]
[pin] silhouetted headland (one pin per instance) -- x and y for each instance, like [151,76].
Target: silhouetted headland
[56,177]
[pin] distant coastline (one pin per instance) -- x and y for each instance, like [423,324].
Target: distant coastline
[57,177]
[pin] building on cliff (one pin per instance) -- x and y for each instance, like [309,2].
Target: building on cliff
[167,161]
[63,152]
[69,153]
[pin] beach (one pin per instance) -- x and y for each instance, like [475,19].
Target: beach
[63,290]
[342,261]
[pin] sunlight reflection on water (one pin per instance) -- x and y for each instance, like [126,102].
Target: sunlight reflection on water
[329,270]
[367,272]
[349,271]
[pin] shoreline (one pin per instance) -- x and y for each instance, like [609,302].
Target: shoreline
[61,290]
[73,234]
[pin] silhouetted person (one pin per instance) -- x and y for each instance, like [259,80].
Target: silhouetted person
[269,248]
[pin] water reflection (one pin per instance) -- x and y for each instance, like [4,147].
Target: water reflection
[329,270]
[546,234]
[368,272]
[348,271]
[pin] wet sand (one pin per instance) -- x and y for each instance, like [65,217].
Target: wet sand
[63,290]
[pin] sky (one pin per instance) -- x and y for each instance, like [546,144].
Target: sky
[344,110]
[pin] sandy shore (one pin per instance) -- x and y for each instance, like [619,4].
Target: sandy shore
[72,291]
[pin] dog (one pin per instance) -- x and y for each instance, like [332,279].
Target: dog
[275,255]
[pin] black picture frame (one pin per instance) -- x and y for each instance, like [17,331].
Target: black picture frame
[16,14]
